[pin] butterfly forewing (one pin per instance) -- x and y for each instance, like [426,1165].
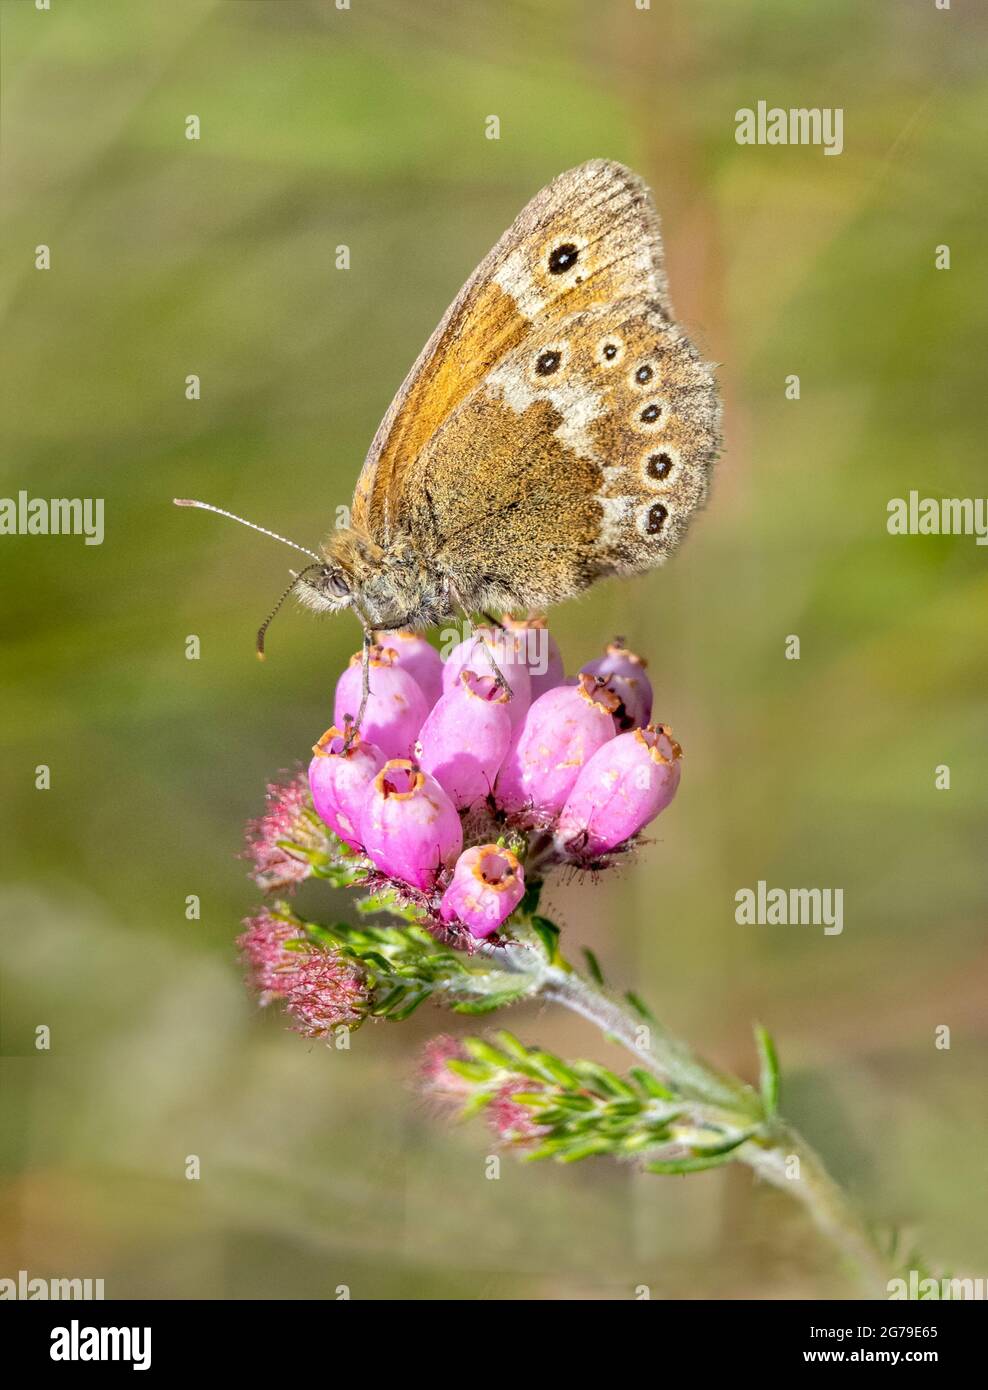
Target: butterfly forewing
[590,237]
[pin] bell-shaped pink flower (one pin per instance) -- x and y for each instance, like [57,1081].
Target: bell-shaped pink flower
[417,656]
[465,737]
[508,652]
[623,787]
[488,884]
[339,775]
[623,671]
[540,652]
[561,732]
[409,827]
[396,707]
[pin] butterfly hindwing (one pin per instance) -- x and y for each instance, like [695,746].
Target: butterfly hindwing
[611,423]
[590,237]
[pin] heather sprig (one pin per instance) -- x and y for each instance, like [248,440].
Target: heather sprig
[570,1110]
[467,784]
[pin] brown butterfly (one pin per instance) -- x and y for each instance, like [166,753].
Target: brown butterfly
[557,427]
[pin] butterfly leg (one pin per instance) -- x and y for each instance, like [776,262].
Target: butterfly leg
[353,725]
[468,623]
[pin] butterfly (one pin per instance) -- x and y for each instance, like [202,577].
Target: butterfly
[557,427]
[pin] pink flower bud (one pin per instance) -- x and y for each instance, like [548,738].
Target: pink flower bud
[488,884]
[409,826]
[279,842]
[540,651]
[325,992]
[561,732]
[263,951]
[417,656]
[465,738]
[623,672]
[396,706]
[436,1074]
[623,787]
[321,989]
[508,652]
[511,1121]
[339,776]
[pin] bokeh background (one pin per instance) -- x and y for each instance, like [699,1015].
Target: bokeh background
[169,257]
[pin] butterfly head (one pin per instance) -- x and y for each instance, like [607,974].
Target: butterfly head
[386,588]
[326,588]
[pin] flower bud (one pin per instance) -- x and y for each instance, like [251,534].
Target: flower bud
[339,775]
[507,651]
[281,842]
[325,992]
[623,787]
[540,651]
[263,952]
[561,732]
[320,988]
[465,737]
[409,826]
[417,656]
[488,884]
[623,672]
[396,706]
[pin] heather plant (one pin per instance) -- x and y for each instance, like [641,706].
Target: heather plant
[467,783]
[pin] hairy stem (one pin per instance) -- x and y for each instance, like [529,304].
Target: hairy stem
[771,1154]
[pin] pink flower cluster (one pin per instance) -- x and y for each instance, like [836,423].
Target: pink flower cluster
[454,783]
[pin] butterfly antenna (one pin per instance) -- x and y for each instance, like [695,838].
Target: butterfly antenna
[262,630]
[208,507]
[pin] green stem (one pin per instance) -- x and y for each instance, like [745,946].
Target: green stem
[771,1155]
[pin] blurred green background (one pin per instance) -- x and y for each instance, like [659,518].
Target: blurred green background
[170,257]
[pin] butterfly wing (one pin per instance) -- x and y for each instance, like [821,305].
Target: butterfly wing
[590,237]
[608,423]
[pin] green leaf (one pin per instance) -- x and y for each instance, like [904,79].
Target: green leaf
[593,966]
[530,901]
[603,1080]
[512,1045]
[725,1146]
[482,1051]
[640,1007]
[486,1004]
[470,1071]
[769,1081]
[548,934]
[399,1015]
[684,1165]
[586,1150]
[651,1085]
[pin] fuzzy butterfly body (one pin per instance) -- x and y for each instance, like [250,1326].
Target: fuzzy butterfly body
[557,427]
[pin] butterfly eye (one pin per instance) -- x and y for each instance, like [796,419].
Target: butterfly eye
[336,584]
[563,258]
